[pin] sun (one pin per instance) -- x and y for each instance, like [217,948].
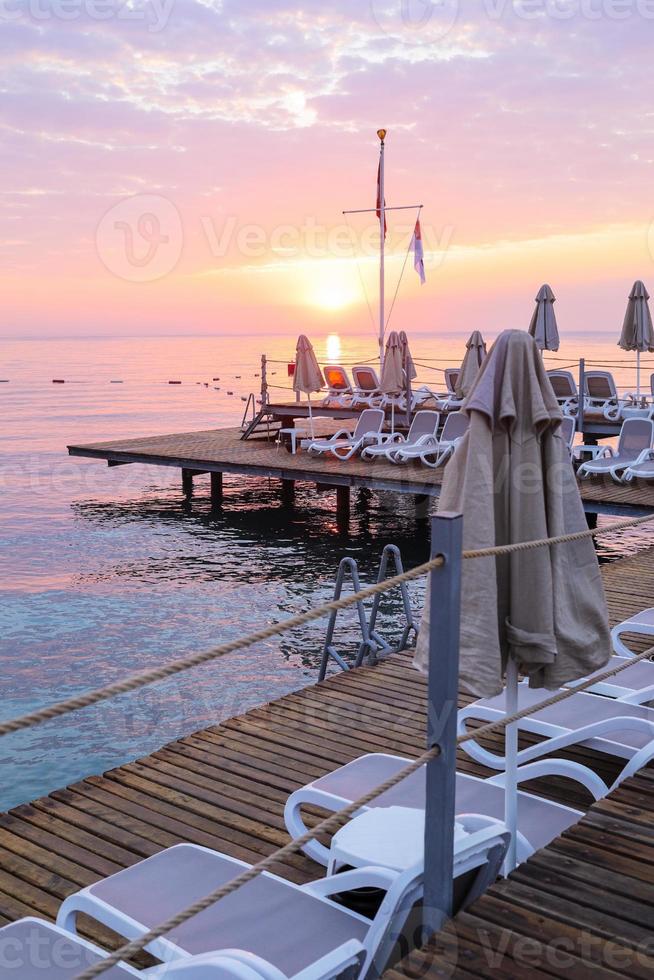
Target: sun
[331,287]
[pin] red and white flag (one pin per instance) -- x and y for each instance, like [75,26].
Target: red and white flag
[418,254]
[380,204]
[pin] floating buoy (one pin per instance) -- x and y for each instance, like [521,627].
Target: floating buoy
[230,392]
[238,377]
[215,379]
[256,375]
[4,381]
[174,382]
[115,382]
[274,372]
[216,388]
[58,381]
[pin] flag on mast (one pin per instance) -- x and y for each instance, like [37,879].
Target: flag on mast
[418,254]
[380,204]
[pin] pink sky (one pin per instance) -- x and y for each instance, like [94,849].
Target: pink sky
[181,166]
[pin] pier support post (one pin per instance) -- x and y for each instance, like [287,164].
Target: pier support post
[288,492]
[187,483]
[591,520]
[442,698]
[216,489]
[343,501]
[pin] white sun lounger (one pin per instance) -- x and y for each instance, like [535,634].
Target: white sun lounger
[601,395]
[423,430]
[636,436]
[449,401]
[339,387]
[437,452]
[293,927]
[633,685]
[565,389]
[625,731]
[344,443]
[32,949]
[539,821]
[366,389]
[641,469]
[642,622]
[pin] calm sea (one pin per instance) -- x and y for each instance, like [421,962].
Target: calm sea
[107,571]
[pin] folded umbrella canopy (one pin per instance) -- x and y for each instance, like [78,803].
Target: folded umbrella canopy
[543,326]
[637,332]
[474,355]
[540,611]
[407,360]
[307,376]
[392,376]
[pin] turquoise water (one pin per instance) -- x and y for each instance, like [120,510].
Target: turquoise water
[107,571]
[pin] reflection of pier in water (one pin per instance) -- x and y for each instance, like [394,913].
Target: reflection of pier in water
[223,451]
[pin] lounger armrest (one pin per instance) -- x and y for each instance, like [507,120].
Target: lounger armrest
[558,767]
[341,434]
[367,877]
[236,964]
[642,696]
[644,457]
[333,964]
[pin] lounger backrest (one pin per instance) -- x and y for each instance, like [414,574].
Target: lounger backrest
[635,435]
[365,378]
[456,426]
[425,423]
[451,378]
[651,384]
[563,383]
[370,420]
[600,385]
[568,429]
[336,378]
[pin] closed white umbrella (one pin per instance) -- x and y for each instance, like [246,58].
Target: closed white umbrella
[541,611]
[474,355]
[543,327]
[392,376]
[307,376]
[637,332]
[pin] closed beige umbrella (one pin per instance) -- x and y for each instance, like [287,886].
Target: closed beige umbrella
[307,376]
[392,376]
[543,327]
[541,612]
[637,332]
[407,360]
[474,355]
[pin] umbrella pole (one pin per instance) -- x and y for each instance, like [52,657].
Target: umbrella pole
[511,755]
[638,377]
[310,416]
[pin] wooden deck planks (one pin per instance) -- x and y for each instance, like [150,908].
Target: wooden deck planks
[223,450]
[225,787]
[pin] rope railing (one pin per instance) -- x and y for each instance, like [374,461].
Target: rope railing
[336,820]
[142,678]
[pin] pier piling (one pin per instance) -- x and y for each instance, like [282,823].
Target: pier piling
[187,482]
[216,489]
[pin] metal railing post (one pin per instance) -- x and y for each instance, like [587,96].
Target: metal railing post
[442,698]
[582,385]
[264,381]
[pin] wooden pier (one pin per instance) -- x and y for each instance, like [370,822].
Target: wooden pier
[225,787]
[222,451]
